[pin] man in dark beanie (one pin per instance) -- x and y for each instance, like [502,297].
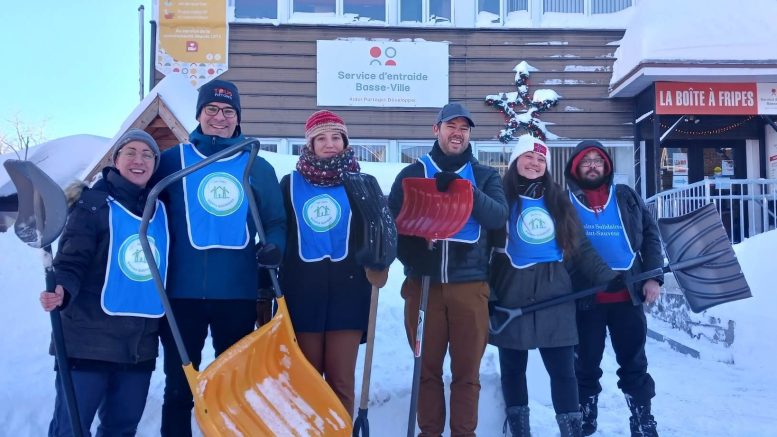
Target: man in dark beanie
[212,282]
[626,236]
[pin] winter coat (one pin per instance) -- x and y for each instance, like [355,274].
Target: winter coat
[218,273]
[638,222]
[80,266]
[323,295]
[515,288]
[450,261]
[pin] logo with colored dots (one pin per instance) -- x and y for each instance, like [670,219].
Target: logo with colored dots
[383,56]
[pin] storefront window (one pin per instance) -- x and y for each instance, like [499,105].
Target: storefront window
[674,168]
[366,152]
[411,152]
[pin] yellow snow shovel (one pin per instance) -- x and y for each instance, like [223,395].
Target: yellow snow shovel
[262,385]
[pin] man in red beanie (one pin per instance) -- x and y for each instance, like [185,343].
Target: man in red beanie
[626,236]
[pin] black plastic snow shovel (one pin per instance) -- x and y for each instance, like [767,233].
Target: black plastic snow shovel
[431,215]
[700,256]
[262,385]
[376,250]
[41,218]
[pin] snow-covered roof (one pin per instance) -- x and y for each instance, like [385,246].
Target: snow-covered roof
[178,95]
[696,41]
[62,159]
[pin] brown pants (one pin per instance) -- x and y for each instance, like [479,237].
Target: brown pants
[333,354]
[456,318]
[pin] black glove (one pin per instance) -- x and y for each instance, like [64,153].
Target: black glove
[444,178]
[615,285]
[268,256]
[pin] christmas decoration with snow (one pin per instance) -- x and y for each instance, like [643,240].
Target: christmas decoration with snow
[520,111]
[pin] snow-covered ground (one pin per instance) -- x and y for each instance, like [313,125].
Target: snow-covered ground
[695,396]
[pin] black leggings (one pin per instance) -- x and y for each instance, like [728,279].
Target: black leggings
[560,364]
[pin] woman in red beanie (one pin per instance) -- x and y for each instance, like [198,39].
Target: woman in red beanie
[326,288]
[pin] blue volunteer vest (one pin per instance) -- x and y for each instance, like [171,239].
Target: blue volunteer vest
[323,220]
[606,233]
[531,235]
[470,233]
[216,207]
[129,289]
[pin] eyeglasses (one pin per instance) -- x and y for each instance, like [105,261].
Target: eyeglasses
[212,110]
[132,153]
[597,162]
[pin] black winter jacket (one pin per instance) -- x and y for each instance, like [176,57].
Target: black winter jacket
[515,288]
[449,261]
[639,224]
[323,295]
[80,265]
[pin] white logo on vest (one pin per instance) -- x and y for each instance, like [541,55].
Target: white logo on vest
[132,261]
[322,213]
[535,226]
[220,194]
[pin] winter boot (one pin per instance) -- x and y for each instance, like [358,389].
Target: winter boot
[641,422]
[590,412]
[518,420]
[570,424]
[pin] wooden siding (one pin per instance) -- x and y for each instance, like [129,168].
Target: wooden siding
[275,69]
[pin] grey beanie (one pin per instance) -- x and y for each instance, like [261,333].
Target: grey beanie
[137,135]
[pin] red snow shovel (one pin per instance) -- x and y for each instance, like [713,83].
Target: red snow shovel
[431,215]
[700,256]
[41,219]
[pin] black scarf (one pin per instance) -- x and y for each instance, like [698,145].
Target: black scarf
[451,162]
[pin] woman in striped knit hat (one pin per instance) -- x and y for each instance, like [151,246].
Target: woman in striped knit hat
[326,287]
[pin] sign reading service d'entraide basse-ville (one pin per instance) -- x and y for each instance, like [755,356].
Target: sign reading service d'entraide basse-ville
[382,73]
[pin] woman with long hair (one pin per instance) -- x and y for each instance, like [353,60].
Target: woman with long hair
[541,244]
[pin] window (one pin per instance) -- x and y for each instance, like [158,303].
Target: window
[270,147]
[366,10]
[425,11]
[256,9]
[500,11]
[567,6]
[369,151]
[314,6]
[411,152]
[343,10]
[609,6]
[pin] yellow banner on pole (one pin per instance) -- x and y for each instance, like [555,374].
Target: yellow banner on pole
[192,39]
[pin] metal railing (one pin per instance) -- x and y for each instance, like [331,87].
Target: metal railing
[747,207]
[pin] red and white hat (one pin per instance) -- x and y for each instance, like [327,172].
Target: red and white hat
[528,143]
[322,121]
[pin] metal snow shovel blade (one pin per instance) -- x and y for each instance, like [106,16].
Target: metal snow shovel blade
[700,256]
[262,385]
[41,219]
[700,235]
[378,247]
[432,215]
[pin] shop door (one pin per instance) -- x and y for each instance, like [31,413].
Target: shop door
[684,162]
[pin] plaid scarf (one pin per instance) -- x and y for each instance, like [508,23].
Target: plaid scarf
[326,172]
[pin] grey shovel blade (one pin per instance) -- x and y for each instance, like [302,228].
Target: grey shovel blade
[378,246]
[692,236]
[42,204]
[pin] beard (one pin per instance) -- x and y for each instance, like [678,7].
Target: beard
[592,183]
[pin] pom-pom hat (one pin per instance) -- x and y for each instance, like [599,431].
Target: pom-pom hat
[323,121]
[528,143]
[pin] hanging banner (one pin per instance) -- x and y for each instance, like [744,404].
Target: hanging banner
[382,73]
[192,39]
[700,98]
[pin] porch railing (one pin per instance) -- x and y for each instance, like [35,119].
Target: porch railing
[747,207]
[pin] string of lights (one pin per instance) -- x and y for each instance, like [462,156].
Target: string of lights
[708,132]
